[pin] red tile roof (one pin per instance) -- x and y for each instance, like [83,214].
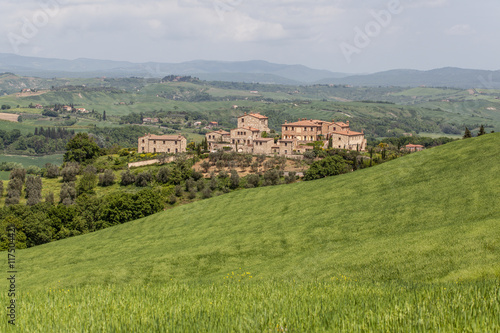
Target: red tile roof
[164,137]
[250,128]
[347,133]
[222,132]
[414,146]
[257,115]
[263,139]
[303,123]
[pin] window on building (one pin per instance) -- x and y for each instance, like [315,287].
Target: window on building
[163,141]
[142,140]
[154,150]
[142,148]
[154,141]
[176,150]
[168,150]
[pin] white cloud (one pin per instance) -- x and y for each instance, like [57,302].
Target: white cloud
[288,31]
[460,30]
[425,3]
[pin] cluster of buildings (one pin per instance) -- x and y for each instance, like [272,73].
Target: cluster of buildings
[252,136]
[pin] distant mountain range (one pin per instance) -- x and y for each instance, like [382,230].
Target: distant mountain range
[246,71]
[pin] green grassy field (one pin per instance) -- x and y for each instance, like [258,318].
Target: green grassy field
[409,245]
[39,161]
[243,305]
[4,175]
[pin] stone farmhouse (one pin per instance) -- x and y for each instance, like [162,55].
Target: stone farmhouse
[162,144]
[412,148]
[249,136]
[339,133]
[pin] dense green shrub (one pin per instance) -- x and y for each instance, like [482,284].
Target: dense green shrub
[143,179]
[127,178]
[69,172]
[51,171]
[163,175]
[33,190]
[329,166]
[107,178]
[67,195]
[252,180]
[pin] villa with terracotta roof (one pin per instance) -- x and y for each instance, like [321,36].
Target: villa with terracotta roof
[162,144]
[411,147]
[248,136]
[338,133]
[250,127]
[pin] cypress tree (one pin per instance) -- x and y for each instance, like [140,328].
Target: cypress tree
[481,131]
[33,190]
[467,134]
[14,189]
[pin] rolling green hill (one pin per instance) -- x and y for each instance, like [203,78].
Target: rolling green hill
[431,216]
[411,245]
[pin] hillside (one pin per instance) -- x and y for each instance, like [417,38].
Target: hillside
[246,71]
[440,77]
[430,216]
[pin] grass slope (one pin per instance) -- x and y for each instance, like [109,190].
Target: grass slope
[430,216]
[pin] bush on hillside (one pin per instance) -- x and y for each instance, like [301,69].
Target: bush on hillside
[18,174]
[107,178]
[51,171]
[143,179]
[69,172]
[329,166]
[271,177]
[127,178]
[163,175]
[67,195]
[253,181]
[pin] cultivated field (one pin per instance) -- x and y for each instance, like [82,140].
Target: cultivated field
[239,304]
[9,117]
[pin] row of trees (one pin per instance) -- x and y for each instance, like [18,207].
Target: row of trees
[45,222]
[468,133]
[42,141]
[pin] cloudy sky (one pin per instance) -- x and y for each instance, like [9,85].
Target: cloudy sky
[351,36]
